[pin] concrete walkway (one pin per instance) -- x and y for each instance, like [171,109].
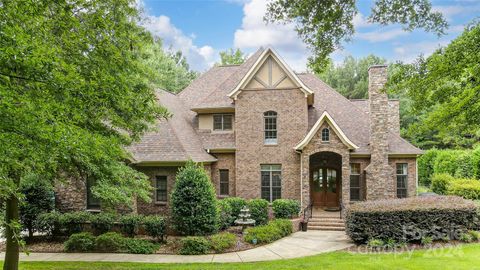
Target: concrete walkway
[299,244]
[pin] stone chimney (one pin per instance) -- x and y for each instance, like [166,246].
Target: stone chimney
[380,184]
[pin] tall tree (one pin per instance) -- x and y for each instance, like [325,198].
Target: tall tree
[231,57]
[324,25]
[444,89]
[73,93]
[350,78]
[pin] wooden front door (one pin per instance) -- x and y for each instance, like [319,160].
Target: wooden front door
[324,187]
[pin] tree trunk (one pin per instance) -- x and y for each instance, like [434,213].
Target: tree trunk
[12,250]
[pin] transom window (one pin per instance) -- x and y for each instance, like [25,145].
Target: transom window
[160,188]
[222,121]
[224,179]
[92,201]
[270,127]
[402,180]
[271,181]
[325,135]
[354,181]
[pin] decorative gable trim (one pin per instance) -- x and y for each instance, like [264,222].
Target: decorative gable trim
[256,66]
[325,117]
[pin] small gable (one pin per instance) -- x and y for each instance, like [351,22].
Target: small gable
[270,76]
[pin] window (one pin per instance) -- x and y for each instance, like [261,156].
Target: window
[325,135]
[270,119]
[224,182]
[92,201]
[160,188]
[402,180]
[222,121]
[271,181]
[354,181]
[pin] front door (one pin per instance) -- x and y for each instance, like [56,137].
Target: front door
[324,187]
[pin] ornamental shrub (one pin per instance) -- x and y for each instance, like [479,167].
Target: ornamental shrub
[440,183]
[236,204]
[129,224]
[194,206]
[273,231]
[103,222]
[446,161]
[80,242]
[258,210]
[466,188]
[155,226]
[140,246]
[285,208]
[464,165]
[410,219]
[225,218]
[74,222]
[110,242]
[39,199]
[194,245]
[476,162]
[425,166]
[223,241]
[49,223]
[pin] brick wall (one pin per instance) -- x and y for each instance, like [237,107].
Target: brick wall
[224,162]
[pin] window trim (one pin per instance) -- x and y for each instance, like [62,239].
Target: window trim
[227,182]
[222,123]
[270,115]
[270,170]
[164,177]
[359,174]
[403,175]
[325,133]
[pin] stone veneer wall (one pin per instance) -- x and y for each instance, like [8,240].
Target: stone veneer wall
[71,195]
[251,152]
[336,146]
[224,161]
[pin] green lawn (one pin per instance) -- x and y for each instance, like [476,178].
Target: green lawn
[464,257]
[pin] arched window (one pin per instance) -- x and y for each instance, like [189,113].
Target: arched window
[325,135]
[270,127]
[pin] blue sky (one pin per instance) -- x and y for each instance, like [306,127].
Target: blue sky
[202,28]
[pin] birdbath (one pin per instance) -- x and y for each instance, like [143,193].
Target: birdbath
[244,219]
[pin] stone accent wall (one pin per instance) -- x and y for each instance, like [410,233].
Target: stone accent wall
[378,171]
[412,174]
[394,116]
[336,146]
[251,152]
[224,162]
[71,195]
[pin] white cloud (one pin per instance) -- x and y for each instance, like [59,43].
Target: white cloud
[360,21]
[255,33]
[380,36]
[198,57]
[409,52]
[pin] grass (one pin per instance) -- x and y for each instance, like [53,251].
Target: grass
[423,189]
[463,257]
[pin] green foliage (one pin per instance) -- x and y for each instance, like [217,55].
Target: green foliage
[444,92]
[476,162]
[425,166]
[286,208]
[103,222]
[446,162]
[409,219]
[236,204]
[466,188]
[258,210]
[375,243]
[110,242]
[465,237]
[194,245]
[80,242]
[194,207]
[223,241]
[129,224]
[475,235]
[74,222]
[273,231]
[231,57]
[38,198]
[464,165]
[155,226]
[225,214]
[140,246]
[324,25]
[426,240]
[351,77]
[441,182]
[49,223]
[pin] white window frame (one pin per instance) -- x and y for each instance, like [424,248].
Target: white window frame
[325,134]
[270,169]
[403,174]
[267,137]
[359,175]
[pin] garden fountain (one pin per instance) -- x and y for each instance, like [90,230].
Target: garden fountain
[244,219]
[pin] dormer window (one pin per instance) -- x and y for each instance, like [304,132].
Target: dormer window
[325,135]
[270,127]
[222,122]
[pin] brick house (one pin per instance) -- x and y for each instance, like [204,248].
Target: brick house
[264,131]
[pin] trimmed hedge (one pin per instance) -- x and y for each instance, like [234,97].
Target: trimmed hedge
[80,242]
[466,188]
[194,245]
[103,222]
[258,210]
[236,204]
[225,218]
[130,223]
[156,227]
[110,242]
[410,219]
[274,230]
[285,208]
[425,166]
[440,183]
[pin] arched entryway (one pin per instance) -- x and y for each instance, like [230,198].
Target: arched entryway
[325,179]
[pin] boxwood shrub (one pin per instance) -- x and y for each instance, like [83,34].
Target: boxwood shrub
[103,222]
[406,220]
[194,245]
[80,242]
[236,204]
[130,223]
[274,230]
[225,218]
[466,188]
[155,226]
[285,208]
[140,246]
[110,242]
[49,223]
[258,210]
[74,222]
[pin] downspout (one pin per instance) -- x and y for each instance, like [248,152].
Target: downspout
[301,180]
[416,175]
